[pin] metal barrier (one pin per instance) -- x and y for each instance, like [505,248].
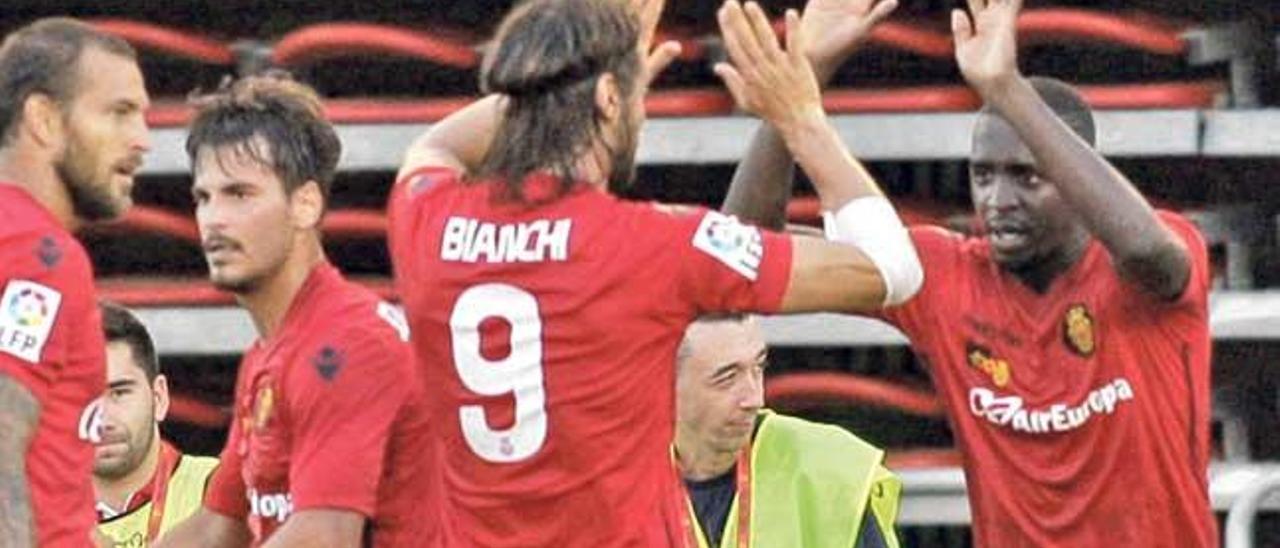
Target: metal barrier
[1245,508]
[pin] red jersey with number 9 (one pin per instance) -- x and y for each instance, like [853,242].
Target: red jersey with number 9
[548,335]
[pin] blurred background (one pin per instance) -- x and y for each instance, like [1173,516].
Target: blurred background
[1188,107]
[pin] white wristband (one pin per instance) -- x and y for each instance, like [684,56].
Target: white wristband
[871,224]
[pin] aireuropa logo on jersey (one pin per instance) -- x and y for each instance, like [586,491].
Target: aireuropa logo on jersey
[1011,412]
[275,506]
[28,311]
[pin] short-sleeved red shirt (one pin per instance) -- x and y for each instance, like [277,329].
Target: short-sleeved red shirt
[549,334]
[51,342]
[1083,412]
[329,414]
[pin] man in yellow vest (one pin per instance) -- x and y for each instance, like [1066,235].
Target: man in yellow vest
[144,485]
[757,478]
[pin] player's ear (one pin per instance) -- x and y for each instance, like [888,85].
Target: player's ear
[608,98]
[160,391]
[42,119]
[307,205]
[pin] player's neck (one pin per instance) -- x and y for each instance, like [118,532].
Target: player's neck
[593,166]
[699,462]
[1038,275]
[115,493]
[269,303]
[40,180]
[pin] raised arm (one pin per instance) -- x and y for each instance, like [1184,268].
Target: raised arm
[762,183]
[873,264]
[19,416]
[1144,250]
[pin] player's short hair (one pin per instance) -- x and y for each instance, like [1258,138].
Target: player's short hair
[43,57]
[685,350]
[122,326]
[548,57]
[285,114]
[1066,102]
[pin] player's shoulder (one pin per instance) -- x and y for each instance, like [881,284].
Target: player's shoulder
[42,268]
[354,320]
[428,179]
[1180,224]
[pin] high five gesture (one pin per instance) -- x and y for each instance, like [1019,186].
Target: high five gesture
[986,42]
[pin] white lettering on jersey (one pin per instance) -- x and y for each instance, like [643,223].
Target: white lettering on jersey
[471,241]
[736,245]
[1009,411]
[27,313]
[275,506]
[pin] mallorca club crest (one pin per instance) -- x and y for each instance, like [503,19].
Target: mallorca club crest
[1078,331]
[263,404]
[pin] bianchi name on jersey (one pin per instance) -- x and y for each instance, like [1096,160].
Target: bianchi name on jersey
[472,241]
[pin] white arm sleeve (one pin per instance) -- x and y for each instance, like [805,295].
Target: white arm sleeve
[871,224]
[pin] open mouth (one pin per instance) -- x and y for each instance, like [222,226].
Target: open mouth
[1007,235]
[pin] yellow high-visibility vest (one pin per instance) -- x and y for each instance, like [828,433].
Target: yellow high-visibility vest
[810,485]
[183,497]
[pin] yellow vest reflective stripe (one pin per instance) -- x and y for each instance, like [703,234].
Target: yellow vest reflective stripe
[185,494]
[811,484]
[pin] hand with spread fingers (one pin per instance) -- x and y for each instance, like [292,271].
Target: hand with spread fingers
[836,28]
[986,43]
[656,58]
[773,83]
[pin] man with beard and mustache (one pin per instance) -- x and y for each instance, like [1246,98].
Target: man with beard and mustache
[144,485]
[1070,340]
[547,311]
[328,438]
[72,135]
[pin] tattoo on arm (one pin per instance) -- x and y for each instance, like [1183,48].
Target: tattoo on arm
[19,414]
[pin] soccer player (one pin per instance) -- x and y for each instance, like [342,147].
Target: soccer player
[547,312]
[821,485]
[328,440]
[72,135]
[144,485]
[1070,339]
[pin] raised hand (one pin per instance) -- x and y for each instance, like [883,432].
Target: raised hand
[986,43]
[836,28]
[766,80]
[656,59]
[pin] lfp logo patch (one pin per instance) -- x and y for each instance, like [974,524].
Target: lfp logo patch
[29,308]
[28,311]
[736,245]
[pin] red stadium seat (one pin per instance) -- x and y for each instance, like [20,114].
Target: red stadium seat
[328,40]
[1141,32]
[924,458]
[160,292]
[179,42]
[342,223]
[807,390]
[189,410]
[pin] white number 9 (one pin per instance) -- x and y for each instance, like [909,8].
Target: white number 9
[519,374]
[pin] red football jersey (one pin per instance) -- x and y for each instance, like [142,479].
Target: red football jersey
[1082,413]
[548,335]
[329,414]
[51,342]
